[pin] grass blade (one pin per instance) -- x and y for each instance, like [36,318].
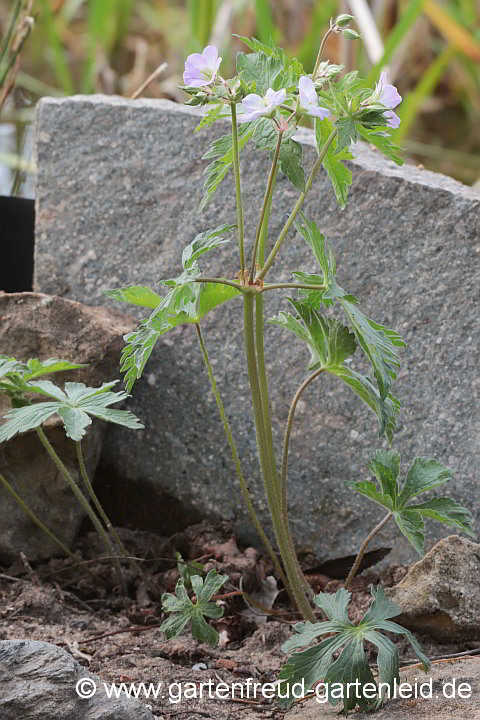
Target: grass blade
[424,88]
[394,39]
[266,30]
[60,65]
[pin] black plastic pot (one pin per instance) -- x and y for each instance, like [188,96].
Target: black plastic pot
[17,226]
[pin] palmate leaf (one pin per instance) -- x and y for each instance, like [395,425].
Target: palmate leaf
[221,152]
[184,611]
[291,152]
[331,344]
[14,374]
[140,295]
[184,304]
[381,139]
[216,112]
[378,344]
[10,365]
[34,367]
[323,252]
[423,475]
[386,409]
[203,243]
[261,71]
[340,176]
[347,133]
[350,670]
[75,406]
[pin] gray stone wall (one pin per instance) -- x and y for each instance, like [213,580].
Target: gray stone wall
[118,189]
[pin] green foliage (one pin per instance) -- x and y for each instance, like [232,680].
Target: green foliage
[424,474]
[268,67]
[340,176]
[221,152]
[203,243]
[347,133]
[15,375]
[351,666]
[135,295]
[331,344]
[184,611]
[188,569]
[378,342]
[381,140]
[74,406]
[213,114]
[290,158]
[186,302]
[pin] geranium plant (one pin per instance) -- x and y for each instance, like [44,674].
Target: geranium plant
[265,102]
[34,401]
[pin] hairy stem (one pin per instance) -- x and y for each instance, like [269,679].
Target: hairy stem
[238,190]
[267,203]
[320,53]
[238,467]
[83,502]
[115,536]
[260,329]
[288,430]
[364,546]
[298,206]
[35,519]
[293,572]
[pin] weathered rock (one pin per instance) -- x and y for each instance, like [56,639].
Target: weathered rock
[35,325]
[39,680]
[118,188]
[440,595]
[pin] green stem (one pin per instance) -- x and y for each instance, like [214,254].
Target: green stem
[288,430]
[267,203]
[361,552]
[116,538]
[233,447]
[238,190]
[83,502]
[260,323]
[320,53]
[298,206]
[295,577]
[35,519]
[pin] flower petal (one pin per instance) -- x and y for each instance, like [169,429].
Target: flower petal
[392,118]
[210,54]
[306,87]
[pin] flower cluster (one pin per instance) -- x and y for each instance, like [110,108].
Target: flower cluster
[201,71]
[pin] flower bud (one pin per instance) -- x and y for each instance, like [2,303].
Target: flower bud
[351,34]
[344,20]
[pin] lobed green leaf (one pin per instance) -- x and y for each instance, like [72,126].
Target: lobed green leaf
[340,176]
[185,611]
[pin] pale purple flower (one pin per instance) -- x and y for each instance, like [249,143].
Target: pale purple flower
[309,99]
[389,96]
[201,70]
[392,119]
[255,106]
